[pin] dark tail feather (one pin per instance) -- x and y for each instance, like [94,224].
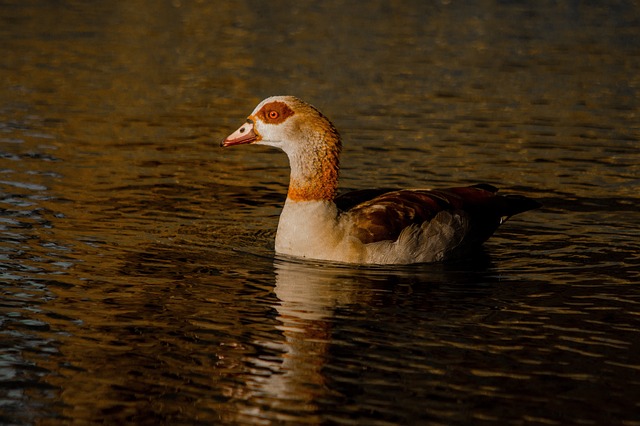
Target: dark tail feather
[518,204]
[513,204]
[486,187]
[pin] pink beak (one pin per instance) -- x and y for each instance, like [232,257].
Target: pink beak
[245,134]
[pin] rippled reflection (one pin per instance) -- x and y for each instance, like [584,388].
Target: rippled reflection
[313,301]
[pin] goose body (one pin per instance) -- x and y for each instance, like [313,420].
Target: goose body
[375,226]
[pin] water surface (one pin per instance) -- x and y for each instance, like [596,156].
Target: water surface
[139,283]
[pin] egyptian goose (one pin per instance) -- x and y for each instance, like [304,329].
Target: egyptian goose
[373,226]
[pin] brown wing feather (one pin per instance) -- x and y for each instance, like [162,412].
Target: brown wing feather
[384,216]
[351,199]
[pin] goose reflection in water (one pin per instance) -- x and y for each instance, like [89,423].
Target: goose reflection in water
[326,312]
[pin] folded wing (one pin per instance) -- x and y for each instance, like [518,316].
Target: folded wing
[379,215]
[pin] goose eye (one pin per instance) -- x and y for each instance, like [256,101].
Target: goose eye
[273,114]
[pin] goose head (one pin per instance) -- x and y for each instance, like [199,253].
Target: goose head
[308,138]
[288,123]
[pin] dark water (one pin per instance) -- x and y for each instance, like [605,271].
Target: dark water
[139,284]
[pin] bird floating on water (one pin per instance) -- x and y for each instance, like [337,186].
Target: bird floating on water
[370,226]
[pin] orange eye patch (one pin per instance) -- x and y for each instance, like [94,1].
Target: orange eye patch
[275,112]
